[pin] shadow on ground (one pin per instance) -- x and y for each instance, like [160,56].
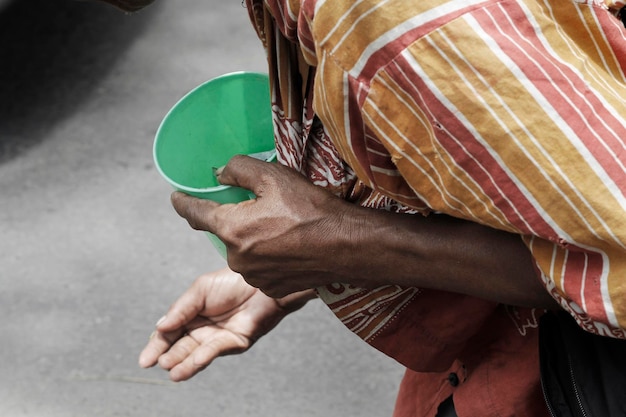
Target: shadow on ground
[52,54]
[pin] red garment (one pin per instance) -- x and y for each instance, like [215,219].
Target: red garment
[497,373]
[483,353]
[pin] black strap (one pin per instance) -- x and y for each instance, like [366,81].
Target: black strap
[446,408]
[581,374]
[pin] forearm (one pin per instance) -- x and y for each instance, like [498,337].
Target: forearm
[443,253]
[296,236]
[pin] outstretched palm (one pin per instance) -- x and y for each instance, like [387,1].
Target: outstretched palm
[219,314]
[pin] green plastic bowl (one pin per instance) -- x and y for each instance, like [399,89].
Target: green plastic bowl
[223,117]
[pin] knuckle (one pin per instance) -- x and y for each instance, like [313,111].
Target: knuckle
[194,224]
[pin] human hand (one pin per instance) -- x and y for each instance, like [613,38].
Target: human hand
[293,236]
[220,314]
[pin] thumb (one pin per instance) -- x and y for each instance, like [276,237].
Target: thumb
[200,214]
[184,310]
[245,172]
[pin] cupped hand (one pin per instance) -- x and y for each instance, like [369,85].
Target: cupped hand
[220,314]
[293,236]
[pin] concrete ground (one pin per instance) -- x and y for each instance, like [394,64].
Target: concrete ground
[91,253]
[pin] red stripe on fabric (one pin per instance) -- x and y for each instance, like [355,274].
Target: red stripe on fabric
[573,273]
[461,143]
[283,21]
[387,52]
[561,86]
[356,127]
[307,12]
[615,34]
[366,148]
[576,273]
[378,155]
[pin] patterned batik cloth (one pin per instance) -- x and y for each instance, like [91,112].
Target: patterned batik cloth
[506,113]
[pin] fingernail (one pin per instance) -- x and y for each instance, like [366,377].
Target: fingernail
[161,320]
[218,171]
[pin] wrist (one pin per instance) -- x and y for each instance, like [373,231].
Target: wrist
[296,301]
[371,243]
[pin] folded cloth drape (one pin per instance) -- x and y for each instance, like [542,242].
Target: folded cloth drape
[509,113]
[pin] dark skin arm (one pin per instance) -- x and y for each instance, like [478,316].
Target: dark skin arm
[297,236]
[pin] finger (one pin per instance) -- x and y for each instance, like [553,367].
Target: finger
[184,310]
[178,352]
[223,343]
[200,214]
[245,172]
[159,343]
[173,325]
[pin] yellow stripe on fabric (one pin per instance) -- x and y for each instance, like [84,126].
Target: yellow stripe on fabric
[575,37]
[409,137]
[552,259]
[616,284]
[464,86]
[529,142]
[564,32]
[576,25]
[359,28]
[347,28]
[293,9]
[334,19]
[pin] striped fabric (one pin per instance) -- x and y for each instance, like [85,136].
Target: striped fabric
[508,113]
[615,6]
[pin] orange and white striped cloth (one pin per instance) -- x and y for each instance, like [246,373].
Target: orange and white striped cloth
[508,113]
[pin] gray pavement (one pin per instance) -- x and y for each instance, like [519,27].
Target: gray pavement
[91,253]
